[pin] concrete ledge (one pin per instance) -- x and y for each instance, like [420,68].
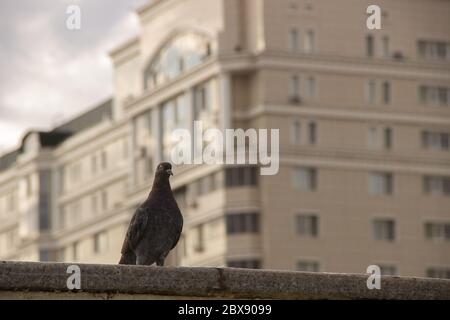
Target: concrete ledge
[32,280]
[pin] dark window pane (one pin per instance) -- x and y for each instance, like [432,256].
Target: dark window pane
[230,226]
[369,45]
[312,132]
[447,232]
[386,92]
[426,184]
[423,94]
[425,139]
[314,226]
[388,138]
[429,230]
[242,223]
[313,179]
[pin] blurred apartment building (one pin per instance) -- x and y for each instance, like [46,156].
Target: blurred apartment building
[364,119]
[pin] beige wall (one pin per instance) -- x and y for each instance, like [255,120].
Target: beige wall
[252,41]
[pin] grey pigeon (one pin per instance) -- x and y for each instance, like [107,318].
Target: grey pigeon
[156,225]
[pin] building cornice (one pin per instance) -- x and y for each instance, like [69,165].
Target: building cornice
[364,165]
[367,156]
[354,65]
[342,113]
[153,8]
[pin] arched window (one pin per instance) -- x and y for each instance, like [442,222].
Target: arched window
[179,55]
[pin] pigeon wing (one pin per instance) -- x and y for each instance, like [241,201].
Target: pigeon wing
[177,236]
[136,230]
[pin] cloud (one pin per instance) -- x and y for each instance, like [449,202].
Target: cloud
[50,73]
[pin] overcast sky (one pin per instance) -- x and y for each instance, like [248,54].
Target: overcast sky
[49,73]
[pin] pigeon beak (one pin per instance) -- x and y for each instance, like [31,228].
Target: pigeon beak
[169,172]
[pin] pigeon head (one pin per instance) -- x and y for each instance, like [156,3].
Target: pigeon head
[162,174]
[164,169]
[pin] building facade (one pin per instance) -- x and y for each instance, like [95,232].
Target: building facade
[364,119]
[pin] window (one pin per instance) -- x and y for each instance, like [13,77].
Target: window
[104,160]
[437,231]
[312,128]
[104,200]
[94,164]
[100,242]
[246,264]
[386,92]
[296,132]
[434,95]
[386,50]
[144,164]
[294,87]
[94,203]
[388,270]
[438,272]
[380,183]
[369,45]
[371,92]
[168,125]
[305,179]
[62,217]
[307,225]
[143,147]
[310,42]
[384,229]
[293,4]
[242,223]
[308,266]
[376,141]
[387,138]
[311,87]
[181,54]
[241,176]
[202,99]
[372,138]
[436,140]
[207,184]
[293,40]
[436,186]
[199,245]
[433,50]
[44,256]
